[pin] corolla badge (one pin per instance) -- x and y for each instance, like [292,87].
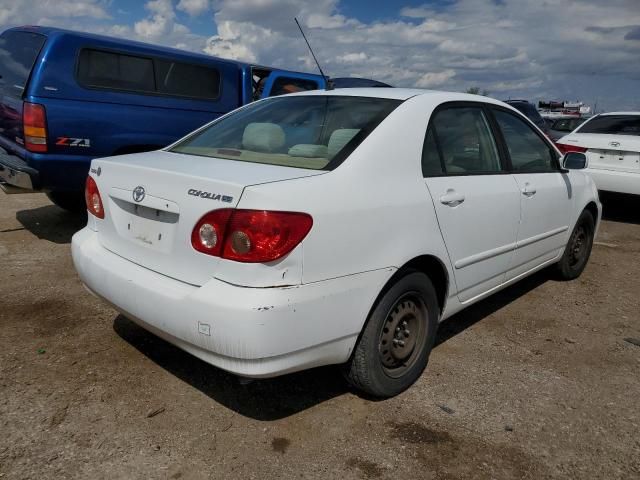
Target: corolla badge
[138,193]
[614,144]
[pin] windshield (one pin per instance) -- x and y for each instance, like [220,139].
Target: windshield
[18,52]
[613,124]
[315,132]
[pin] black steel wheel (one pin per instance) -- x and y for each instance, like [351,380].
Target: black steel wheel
[70,201]
[403,334]
[394,347]
[578,249]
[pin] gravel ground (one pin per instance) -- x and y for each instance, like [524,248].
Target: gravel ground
[536,382]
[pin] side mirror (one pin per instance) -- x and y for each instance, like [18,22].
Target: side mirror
[575,161]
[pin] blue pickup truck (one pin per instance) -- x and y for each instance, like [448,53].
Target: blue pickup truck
[68,97]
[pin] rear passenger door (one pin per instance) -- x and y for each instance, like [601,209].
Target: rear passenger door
[476,199]
[545,193]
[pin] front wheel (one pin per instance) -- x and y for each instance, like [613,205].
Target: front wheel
[578,249]
[394,347]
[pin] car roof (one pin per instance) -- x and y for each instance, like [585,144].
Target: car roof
[618,113]
[402,94]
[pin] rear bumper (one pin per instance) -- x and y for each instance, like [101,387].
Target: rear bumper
[253,332]
[15,175]
[22,171]
[615,181]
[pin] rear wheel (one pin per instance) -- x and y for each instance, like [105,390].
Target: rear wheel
[71,201]
[394,347]
[578,249]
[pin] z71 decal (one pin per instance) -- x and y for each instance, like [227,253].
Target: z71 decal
[73,142]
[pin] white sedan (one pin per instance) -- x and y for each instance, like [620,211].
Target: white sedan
[332,227]
[611,142]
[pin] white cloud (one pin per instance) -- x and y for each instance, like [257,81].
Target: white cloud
[193,7]
[435,79]
[352,57]
[583,49]
[160,22]
[14,12]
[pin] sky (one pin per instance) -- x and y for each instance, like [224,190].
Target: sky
[586,50]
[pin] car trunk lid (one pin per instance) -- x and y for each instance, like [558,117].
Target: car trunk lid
[608,152]
[153,200]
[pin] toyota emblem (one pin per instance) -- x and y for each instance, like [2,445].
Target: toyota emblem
[138,194]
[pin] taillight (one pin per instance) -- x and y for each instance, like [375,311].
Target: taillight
[208,234]
[34,123]
[92,197]
[253,236]
[565,148]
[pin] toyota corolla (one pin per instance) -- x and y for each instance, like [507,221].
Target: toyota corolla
[332,227]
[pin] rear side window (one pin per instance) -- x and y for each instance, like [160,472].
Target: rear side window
[284,85]
[465,141]
[116,71]
[613,124]
[528,152]
[316,132]
[18,53]
[131,73]
[187,80]
[431,164]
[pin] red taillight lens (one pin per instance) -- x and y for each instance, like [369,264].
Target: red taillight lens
[92,197]
[208,234]
[34,123]
[254,236]
[565,148]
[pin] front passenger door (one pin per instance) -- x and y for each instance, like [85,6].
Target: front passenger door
[545,194]
[476,200]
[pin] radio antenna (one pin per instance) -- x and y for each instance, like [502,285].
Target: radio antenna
[328,84]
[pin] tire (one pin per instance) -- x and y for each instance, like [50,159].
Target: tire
[71,201]
[576,253]
[394,347]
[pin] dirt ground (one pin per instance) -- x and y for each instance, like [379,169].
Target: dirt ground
[539,381]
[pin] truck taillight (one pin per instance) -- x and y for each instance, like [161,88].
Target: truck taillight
[565,148]
[92,197]
[252,236]
[34,123]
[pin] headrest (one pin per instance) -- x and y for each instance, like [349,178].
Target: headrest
[263,137]
[308,150]
[339,138]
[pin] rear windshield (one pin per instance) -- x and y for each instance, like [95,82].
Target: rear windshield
[18,53]
[613,124]
[567,124]
[313,132]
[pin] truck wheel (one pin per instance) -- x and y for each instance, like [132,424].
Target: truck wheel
[395,344]
[70,201]
[578,249]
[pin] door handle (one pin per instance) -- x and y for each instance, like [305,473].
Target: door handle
[528,190]
[452,198]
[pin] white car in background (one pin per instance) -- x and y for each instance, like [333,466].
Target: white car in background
[332,227]
[611,142]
